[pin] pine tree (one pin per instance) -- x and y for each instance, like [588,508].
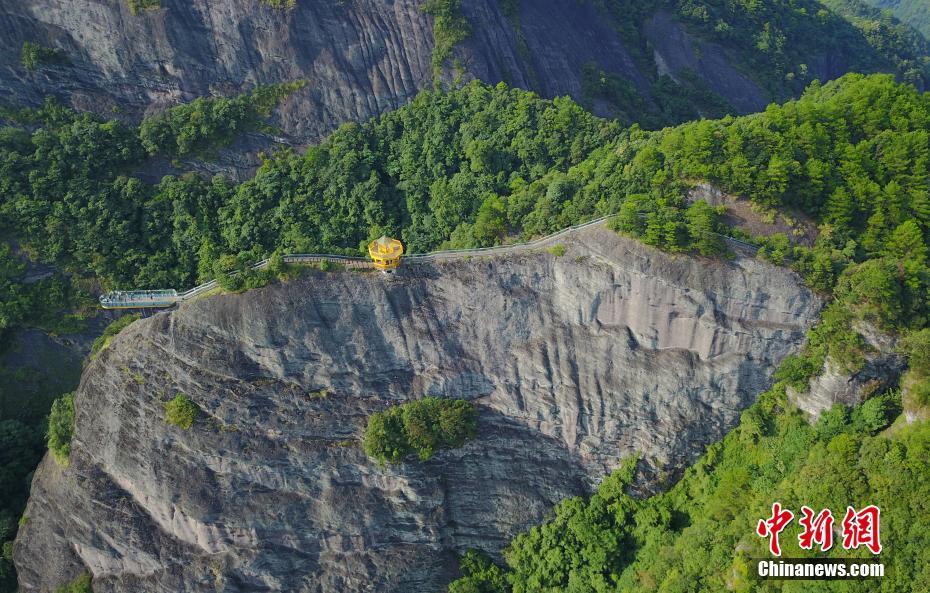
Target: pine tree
[906,243]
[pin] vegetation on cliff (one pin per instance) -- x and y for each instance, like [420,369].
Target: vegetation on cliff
[917,380]
[81,584]
[422,427]
[205,124]
[34,56]
[449,29]
[115,327]
[61,427]
[137,7]
[181,411]
[481,165]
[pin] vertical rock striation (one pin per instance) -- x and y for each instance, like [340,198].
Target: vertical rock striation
[575,362]
[360,57]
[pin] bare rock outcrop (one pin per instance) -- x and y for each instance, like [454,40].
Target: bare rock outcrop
[575,363]
[882,368]
[360,57]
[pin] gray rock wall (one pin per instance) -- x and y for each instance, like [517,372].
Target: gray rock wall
[881,370]
[361,57]
[575,363]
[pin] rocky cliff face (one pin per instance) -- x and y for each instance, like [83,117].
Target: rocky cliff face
[575,362]
[361,57]
[881,370]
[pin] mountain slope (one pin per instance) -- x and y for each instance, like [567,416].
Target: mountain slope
[364,57]
[576,361]
[914,12]
[851,155]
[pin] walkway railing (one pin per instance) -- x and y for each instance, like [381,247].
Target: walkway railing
[139,299]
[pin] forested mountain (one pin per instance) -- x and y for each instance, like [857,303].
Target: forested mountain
[914,12]
[480,165]
[410,134]
[655,62]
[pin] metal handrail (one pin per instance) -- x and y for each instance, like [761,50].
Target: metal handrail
[415,257]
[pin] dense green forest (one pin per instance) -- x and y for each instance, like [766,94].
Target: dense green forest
[785,34]
[482,165]
[900,43]
[700,535]
[472,167]
[776,42]
[914,12]
[419,172]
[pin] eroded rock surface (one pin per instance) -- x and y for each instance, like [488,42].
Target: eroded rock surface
[881,369]
[360,57]
[575,362]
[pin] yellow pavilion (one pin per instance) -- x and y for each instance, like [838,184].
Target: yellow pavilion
[386,253]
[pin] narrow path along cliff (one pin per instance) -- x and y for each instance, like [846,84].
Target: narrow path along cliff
[142,299]
[576,361]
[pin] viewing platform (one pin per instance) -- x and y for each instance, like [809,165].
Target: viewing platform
[139,299]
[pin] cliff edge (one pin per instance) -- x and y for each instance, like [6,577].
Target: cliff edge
[575,362]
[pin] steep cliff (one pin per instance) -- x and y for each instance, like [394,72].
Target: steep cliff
[575,361]
[364,57]
[361,58]
[882,369]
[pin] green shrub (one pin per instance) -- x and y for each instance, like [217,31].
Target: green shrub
[450,28]
[111,330]
[236,274]
[874,290]
[385,437]
[920,391]
[916,346]
[797,370]
[61,428]
[81,584]
[137,6]
[480,575]
[557,250]
[194,128]
[877,412]
[422,427]
[34,55]
[702,223]
[280,4]
[181,411]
